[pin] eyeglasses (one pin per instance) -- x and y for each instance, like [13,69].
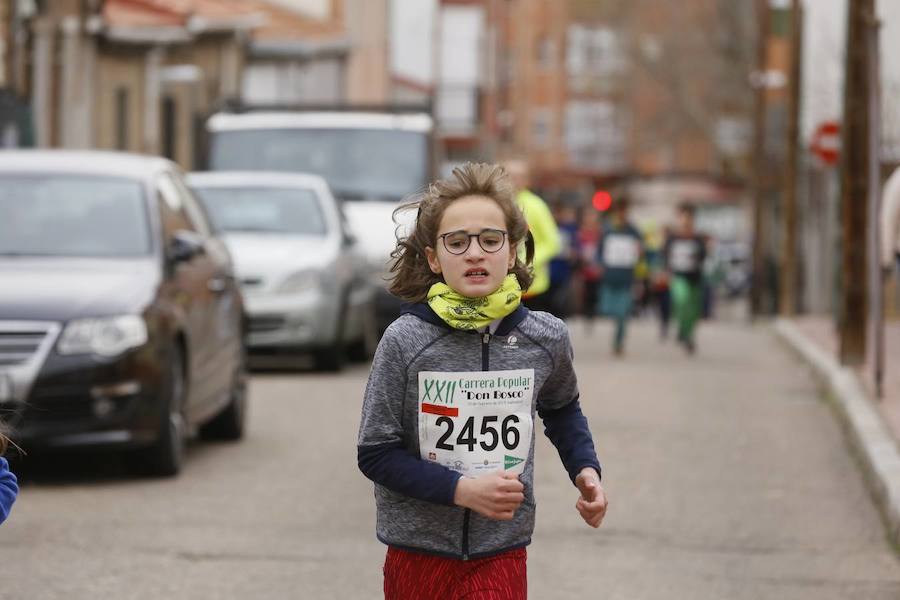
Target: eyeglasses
[457,242]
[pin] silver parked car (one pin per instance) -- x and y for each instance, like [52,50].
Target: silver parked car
[306,285]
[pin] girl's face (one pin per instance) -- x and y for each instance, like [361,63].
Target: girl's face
[474,272]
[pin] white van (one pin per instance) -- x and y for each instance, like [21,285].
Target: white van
[372,160]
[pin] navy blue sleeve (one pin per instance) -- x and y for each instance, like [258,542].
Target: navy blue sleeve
[381,447]
[392,466]
[9,489]
[567,428]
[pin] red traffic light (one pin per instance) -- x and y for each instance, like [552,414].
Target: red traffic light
[602,200]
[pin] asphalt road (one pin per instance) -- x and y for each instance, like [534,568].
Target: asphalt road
[727,474]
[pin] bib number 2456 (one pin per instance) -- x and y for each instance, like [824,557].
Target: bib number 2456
[489,436]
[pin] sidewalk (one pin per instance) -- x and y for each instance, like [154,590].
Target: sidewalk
[821,331]
[873,424]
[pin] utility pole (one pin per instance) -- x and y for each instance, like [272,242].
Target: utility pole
[6,21]
[758,79]
[788,295]
[788,288]
[876,283]
[855,185]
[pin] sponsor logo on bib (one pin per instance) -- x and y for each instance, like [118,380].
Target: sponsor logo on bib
[511,461]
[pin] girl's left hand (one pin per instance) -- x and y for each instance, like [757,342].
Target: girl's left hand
[592,503]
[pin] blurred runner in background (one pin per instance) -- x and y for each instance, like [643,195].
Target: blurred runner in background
[658,284]
[621,247]
[543,230]
[563,265]
[685,253]
[588,240]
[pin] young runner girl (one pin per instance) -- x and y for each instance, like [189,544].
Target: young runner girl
[447,422]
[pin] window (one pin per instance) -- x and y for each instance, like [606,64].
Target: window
[596,51]
[542,127]
[264,209]
[595,135]
[68,215]
[171,207]
[546,53]
[192,208]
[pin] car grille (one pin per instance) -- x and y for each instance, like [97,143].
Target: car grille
[48,407]
[266,323]
[19,343]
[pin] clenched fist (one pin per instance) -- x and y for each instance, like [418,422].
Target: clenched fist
[495,495]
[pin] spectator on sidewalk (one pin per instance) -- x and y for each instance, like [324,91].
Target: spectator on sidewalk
[685,254]
[890,223]
[621,247]
[543,229]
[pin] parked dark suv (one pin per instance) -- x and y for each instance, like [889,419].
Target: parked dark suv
[120,322]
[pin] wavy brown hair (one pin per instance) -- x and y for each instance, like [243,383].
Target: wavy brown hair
[412,277]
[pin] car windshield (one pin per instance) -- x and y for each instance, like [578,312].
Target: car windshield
[69,215]
[358,164]
[263,209]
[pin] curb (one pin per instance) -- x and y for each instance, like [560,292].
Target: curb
[876,447]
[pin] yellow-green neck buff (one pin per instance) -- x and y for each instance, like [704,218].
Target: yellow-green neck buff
[462,312]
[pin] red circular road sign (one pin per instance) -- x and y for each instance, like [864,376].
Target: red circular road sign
[826,142]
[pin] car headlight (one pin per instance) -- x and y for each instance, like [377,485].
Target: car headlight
[299,282]
[106,336]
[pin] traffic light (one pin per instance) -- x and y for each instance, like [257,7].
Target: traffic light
[602,200]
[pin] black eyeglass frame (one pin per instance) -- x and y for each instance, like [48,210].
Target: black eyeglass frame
[469,236]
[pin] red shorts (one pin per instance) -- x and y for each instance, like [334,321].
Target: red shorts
[412,576]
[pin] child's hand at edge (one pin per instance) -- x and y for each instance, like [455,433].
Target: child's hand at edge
[495,495]
[592,503]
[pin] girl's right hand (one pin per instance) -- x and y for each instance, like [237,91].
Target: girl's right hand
[496,495]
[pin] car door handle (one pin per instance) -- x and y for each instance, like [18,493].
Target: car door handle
[217,285]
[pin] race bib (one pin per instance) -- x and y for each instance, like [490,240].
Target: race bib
[476,422]
[620,251]
[683,256]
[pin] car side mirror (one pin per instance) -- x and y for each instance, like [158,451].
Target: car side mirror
[184,246]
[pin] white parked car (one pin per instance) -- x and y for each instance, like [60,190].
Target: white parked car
[306,285]
[371,159]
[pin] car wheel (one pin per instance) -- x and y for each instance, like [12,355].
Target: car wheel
[331,358]
[165,456]
[229,424]
[364,348]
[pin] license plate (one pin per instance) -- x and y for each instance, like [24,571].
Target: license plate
[6,388]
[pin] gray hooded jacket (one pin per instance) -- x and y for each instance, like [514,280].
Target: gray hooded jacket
[414,497]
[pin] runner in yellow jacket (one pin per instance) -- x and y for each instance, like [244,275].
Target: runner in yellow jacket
[547,242]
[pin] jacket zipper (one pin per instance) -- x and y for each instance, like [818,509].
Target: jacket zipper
[465,540]
[485,365]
